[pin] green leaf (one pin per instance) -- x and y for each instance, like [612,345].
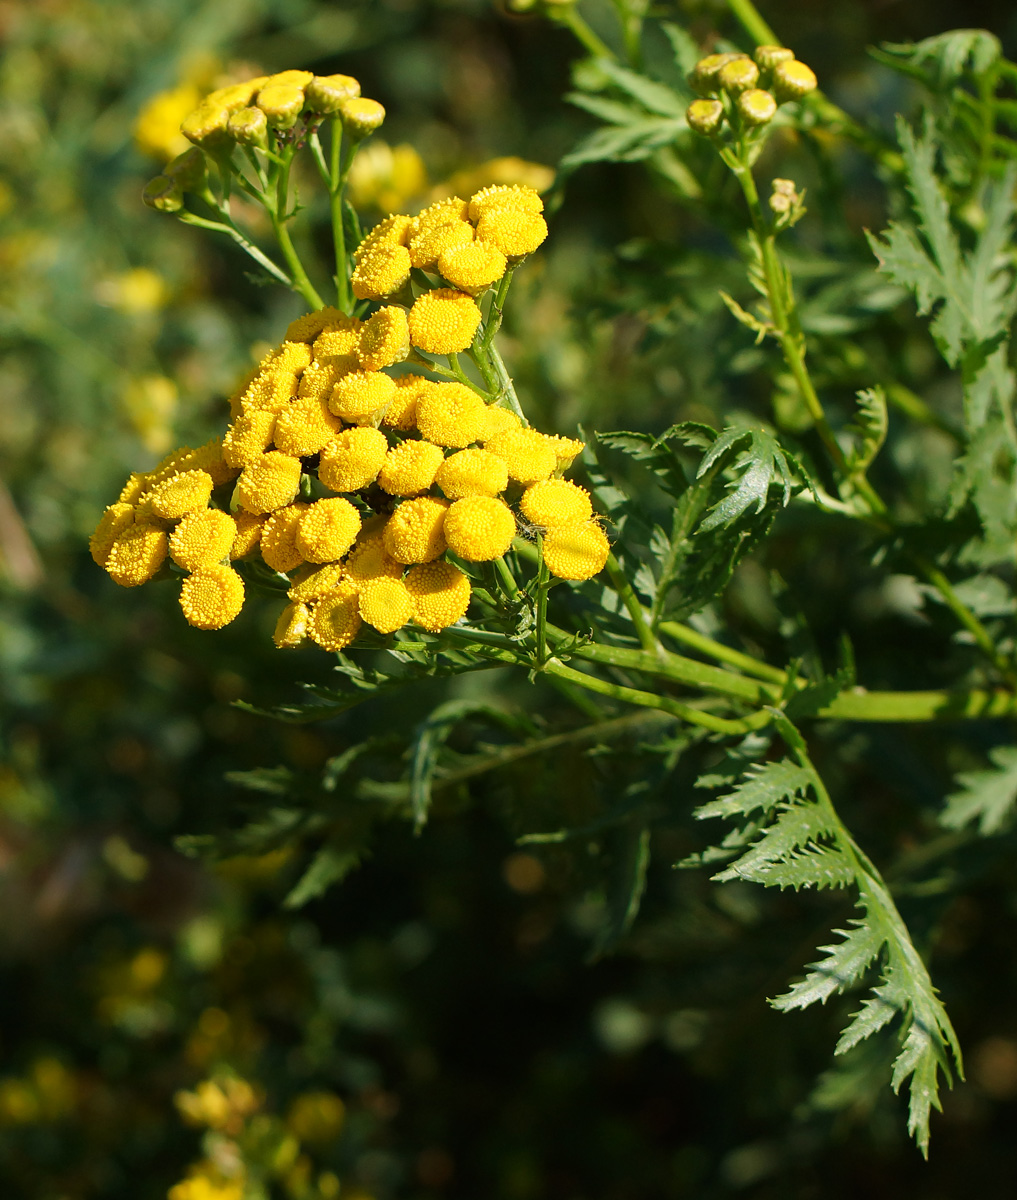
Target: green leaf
[764,787]
[943,59]
[629,848]
[763,463]
[330,865]
[869,428]
[844,966]
[657,97]
[987,796]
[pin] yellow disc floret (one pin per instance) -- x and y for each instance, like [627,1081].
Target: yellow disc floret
[180,494]
[430,243]
[497,420]
[556,504]
[529,455]
[383,270]
[335,619]
[337,344]
[248,533]
[305,427]
[402,408]
[271,389]
[473,266]
[291,628]
[577,552]
[414,531]
[269,482]
[450,414]
[307,327]
[409,468]
[385,603]
[328,529]
[516,196]
[512,231]
[384,339]
[248,437]
[393,231]
[472,473]
[202,538]
[359,396]
[311,582]
[136,554]
[112,523]
[443,321]
[370,560]
[211,597]
[479,528]
[279,538]
[352,461]
[441,595]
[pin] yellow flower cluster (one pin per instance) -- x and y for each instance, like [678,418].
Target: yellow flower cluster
[744,92]
[355,484]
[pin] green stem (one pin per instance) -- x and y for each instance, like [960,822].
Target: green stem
[231,231]
[629,598]
[336,188]
[504,384]
[463,378]
[720,652]
[747,15]
[279,214]
[543,583]
[968,705]
[494,317]
[566,14]
[508,580]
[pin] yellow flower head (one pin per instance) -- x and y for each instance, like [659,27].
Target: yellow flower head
[305,427]
[386,177]
[756,106]
[309,583]
[352,461]
[326,93]
[202,538]
[248,533]
[521,198]
[507,169]
[269,482]
[270,390]
[497,420]
[577,551]
[281,103]
[565,449]
[450,414]
[413,533]
[370,560]
[136,554]
[279,538]
[319,379]
[335,618]
[157,129]
[472,266]
[738,75]
[705,116]
[441,595]
[212,596]
[556,504]
[361,395]
[530,456]
[249,127]
[292,356]
[134,488]
[513,231]
[361,116]
[385,604]
[410,467]
[769,57]
[384,339]
[703,76]
[472,473]
[393,231]
[206,126]
[307,327]
[381,271]
[402,409]
[441,212]
[479,528]
[112,523]
[430,242]
[443,321]
[291,628]
[249,437]
[792,80]
[328,529]
[180,494]
[208,457]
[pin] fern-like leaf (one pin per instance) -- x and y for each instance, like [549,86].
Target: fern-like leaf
[987,797]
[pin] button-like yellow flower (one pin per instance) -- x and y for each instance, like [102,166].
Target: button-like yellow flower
[756,106]
[413,533]
[336,346]
[556,504]
[202,538]
[269,482]
[513,231]
[211,597]
[497,420]
[270,390]
[441,594]
[112,523]
[335,619]
[134,488]
[248,437]
[443,321]
[311,582]
[279,538]
[432,241]
[450,414]
[517,196]
[319,379]
[576,552]
[705,116]
[769,57]
[565,449]
[479,528]
[305,427]
[401,412]
[381,271]
[291,628]
[370,560]
[136,554]
[328,529]
[472,473]
[292,356]
[361,116]
[384,339]
[180,494]
[326,93]
[281,103]
[792,80]
[410,467]
[738,75]
[353,459]
[441,212]
[361,395]
[530,456]
[472,266]
[385,603]
[248,534]
[393,231]
[307,327]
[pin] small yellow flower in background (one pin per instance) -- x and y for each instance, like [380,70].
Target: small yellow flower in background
[139,290]
[151,402]
[223,1103]
[316,1117]
[157,129]
[386,178]
[496,172]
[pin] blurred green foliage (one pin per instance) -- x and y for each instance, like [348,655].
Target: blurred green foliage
[446,992]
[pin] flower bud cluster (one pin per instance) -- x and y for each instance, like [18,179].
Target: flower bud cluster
[356,482]
[743,93]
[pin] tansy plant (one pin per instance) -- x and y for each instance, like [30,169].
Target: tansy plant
[377,470]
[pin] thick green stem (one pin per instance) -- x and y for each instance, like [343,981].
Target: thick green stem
[629,598]
[463,378]
[565,14]
[494,317]
[720,652]
[279,215]
[336,188]
[746,14]
[504,384]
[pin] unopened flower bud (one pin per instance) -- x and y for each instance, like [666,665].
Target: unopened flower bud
[705,116]
[206,127]
[326,93]
[188,170]
[703,77]
[250,127]
[769,57]
[361,116]
[756,106]
[792,80]
[163,194]
[738,76]
[281,103]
